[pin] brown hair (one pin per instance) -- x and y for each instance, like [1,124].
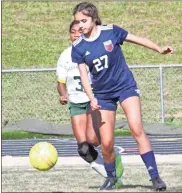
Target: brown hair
[71,25]
[89,10]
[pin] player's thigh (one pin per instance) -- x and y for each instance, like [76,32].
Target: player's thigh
[105,119]
[78,113]
[106,123]
[92,133]
[132,109]
[79,123]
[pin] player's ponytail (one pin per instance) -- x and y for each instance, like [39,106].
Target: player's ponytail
[89,10]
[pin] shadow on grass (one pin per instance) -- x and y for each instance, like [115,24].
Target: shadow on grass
[128,186]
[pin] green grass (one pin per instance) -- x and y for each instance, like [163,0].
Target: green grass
[35,33]
[174,122]
[122,132]
[29,135]
[34,96]
[74,178]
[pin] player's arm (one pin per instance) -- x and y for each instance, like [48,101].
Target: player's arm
[61,73]
[61,87]
[87,87]
[85,80]
[148,44]
[77,57]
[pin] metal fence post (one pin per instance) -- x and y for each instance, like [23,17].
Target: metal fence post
[161,93]
[161,67]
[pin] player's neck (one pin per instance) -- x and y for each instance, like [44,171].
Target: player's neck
[93,33]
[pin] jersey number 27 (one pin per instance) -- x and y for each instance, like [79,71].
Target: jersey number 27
[101,63]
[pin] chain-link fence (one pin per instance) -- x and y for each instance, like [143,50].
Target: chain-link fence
[33,95]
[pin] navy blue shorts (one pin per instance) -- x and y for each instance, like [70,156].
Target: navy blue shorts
[111,104]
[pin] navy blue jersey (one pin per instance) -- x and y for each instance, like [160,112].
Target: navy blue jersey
[106,62]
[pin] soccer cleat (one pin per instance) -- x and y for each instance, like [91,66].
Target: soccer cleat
[111,184]
[158,184]
[119,165]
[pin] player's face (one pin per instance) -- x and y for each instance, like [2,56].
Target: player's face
[75,32]
[85,22]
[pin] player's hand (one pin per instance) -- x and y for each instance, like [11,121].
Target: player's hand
[166,50]
[94,104]
[63,100]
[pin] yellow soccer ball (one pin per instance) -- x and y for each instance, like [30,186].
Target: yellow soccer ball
[43,156]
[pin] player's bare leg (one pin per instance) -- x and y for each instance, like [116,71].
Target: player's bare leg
[79,123]
[82,128]
[134,118]
[93,137]
[114,167]
[92,133]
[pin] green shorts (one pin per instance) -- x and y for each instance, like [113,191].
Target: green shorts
[78,109]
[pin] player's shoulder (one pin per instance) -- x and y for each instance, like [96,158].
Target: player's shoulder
[66,51]
[106,27]
[111,27]
[65,56]
[78,41]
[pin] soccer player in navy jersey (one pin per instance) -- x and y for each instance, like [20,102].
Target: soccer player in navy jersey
[71,92]
[112,82]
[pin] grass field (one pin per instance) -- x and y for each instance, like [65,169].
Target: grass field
[26,96]
[84,179]
[35,33]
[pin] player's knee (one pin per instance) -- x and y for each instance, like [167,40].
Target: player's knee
[137,132]
[92,139]
[136,128]
[107,146]
[87,152]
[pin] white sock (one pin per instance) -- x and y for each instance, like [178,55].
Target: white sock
[98,166]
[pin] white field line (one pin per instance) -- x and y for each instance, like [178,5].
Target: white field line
[9,161]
